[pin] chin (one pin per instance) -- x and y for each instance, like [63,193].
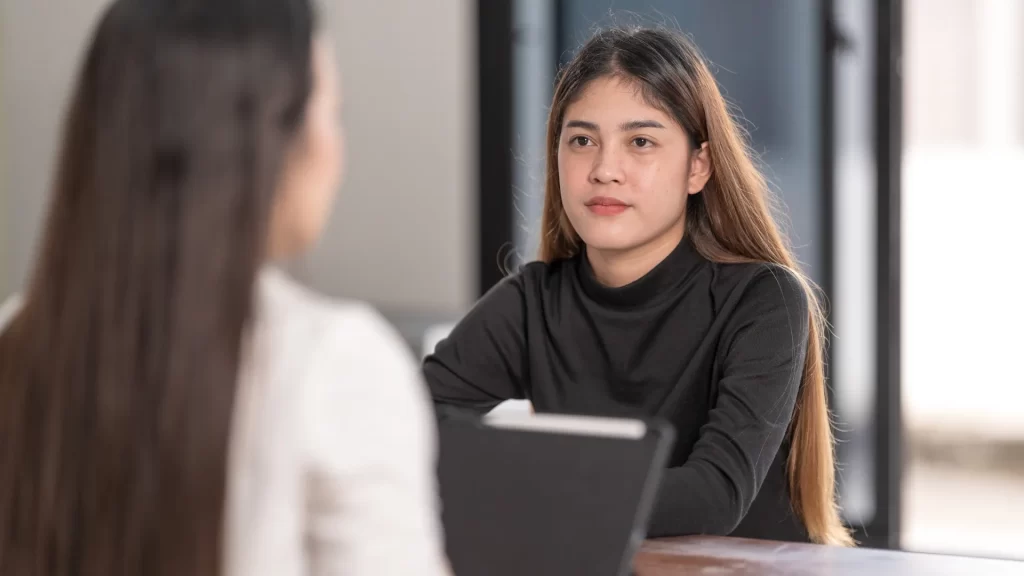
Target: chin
[610,242]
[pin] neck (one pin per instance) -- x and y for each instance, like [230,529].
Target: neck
[617,268]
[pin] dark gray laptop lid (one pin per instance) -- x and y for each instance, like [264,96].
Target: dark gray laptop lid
[548,495]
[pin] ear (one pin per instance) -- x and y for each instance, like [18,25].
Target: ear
[700,169]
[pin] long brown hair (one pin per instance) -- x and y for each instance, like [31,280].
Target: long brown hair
[730,221]
[117,378]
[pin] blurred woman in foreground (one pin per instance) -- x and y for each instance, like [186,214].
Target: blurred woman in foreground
[168,404]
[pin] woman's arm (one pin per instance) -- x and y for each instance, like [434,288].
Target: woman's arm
[372,496]
[483,361]
[765,346]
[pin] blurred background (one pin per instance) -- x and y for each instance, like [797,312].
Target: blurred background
[893,131]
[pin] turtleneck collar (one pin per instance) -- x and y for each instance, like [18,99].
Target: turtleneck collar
[665,276]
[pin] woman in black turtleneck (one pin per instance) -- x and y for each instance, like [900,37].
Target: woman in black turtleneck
[663,288]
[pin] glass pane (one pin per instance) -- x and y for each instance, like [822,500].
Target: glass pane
[963,390]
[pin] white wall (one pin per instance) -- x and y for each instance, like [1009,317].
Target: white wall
[403,235]
[41,45]
[404,231]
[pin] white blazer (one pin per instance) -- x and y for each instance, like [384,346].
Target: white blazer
[332,458]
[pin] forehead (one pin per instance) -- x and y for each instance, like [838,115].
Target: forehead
[613,100]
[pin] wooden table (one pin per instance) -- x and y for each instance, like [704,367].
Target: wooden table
[738,557]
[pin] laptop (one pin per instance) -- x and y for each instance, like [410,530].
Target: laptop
[539,495]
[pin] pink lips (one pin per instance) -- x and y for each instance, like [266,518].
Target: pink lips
[606,206]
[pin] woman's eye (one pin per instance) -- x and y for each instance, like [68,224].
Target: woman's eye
[641,142]
[580,140]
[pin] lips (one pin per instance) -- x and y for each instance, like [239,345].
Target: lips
[606,206]
[606,201]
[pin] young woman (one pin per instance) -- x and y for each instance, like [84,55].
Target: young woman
[168,404]
[664,288]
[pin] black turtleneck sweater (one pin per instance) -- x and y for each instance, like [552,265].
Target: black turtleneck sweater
[716,349]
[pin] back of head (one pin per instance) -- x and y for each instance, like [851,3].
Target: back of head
[117,378]
[731,220]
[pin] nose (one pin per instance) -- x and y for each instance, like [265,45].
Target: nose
[607,168]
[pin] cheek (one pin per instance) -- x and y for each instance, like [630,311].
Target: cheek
[573,175]
[664,186]
[316,181]
[333,156]
[326,154]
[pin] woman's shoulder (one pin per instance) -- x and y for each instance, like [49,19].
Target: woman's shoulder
[350,368]
[752,274]
[748,283]
[281,297]
[277,291]
[347,388]
[339,335]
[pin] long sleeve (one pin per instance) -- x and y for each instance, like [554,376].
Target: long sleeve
[764,346]
[483,362]
[372,500]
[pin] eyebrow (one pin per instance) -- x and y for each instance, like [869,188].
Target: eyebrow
[638,124]
[582,124]
[624,127]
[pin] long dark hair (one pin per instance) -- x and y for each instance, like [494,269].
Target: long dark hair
[730,221]
[117,378]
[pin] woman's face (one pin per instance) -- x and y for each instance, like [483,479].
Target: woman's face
[314,165]
[625,169]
